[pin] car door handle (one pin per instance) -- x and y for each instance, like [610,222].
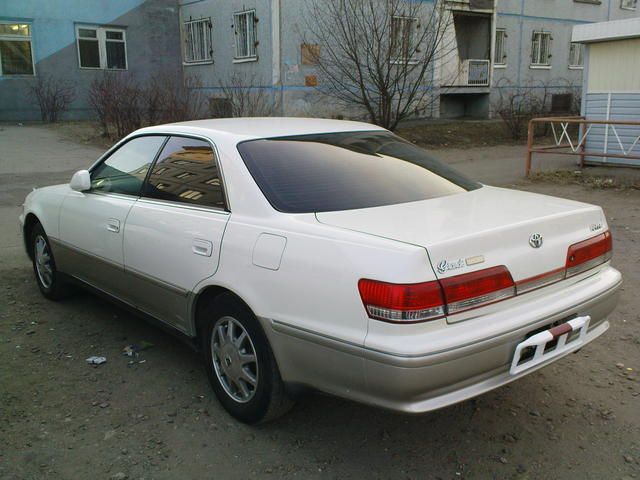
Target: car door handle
[113,225]
[202,247]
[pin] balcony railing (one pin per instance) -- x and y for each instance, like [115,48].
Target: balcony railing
[468,73]
[478,72]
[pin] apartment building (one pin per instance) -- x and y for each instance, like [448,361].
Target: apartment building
[75,41]
[497,45]
[492,46]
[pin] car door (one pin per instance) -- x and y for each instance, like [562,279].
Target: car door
[173,233]
[92,222]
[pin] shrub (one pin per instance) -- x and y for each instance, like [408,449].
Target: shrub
[124,104]
[53,96]
[240,98]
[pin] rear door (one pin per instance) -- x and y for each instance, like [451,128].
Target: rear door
[173,233]
[92,222]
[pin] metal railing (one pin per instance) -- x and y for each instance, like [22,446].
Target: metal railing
[478,72]
[566,143]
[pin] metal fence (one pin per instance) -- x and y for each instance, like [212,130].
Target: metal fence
[577,142]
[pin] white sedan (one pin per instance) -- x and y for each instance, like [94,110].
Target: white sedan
[332,255]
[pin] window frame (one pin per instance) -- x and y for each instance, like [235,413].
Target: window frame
[101,38]
[18,38]
[631,8]
[223,183]
[208,36]
[248,58]
[109,153]
[502,63]
[572,65]
[413,22]
[542,34]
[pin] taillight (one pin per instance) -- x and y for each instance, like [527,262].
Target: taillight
[419,302]
[589,253]
[416,302]
[476,289]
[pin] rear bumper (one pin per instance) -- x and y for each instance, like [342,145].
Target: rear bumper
[416,384]
[404,380]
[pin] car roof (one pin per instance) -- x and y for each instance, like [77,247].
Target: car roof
[263,127]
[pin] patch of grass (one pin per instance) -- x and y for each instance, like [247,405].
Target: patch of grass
[458,134]
[579,177]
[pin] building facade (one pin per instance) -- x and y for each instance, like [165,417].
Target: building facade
[493,47]
[76,40]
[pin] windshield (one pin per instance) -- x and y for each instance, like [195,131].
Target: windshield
[344,171]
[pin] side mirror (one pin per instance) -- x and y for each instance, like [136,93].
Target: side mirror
[81,181]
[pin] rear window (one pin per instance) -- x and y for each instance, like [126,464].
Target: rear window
[344,171]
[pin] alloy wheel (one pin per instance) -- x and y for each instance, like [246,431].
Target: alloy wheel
[44,265]
[234,359]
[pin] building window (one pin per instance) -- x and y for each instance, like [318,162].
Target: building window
[16,52]
[628,4]
[197,41]
[402,39]
[500,56]
[576,55]
[101,47]
[244,24]
[540,49]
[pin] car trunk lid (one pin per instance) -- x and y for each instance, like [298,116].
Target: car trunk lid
[526,232]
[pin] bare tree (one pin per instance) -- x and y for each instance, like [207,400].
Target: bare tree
[240,98]
[378,55]
[53,95]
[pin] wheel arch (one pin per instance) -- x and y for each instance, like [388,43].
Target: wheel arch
[204,298]
[30,221]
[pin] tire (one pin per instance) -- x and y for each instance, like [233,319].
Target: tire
[44,265]
[243,372]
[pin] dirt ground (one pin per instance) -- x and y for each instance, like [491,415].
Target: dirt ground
[155,417]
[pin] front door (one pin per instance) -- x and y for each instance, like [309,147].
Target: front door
[173,233]
[92,222]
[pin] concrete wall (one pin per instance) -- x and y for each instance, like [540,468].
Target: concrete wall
[152,47]
[223,67]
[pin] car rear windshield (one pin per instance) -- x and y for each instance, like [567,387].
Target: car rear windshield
[344,171]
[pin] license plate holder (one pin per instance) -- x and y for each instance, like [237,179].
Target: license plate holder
[538,342]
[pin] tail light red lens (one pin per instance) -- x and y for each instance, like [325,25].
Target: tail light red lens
[476,289]
[589,253]
[420,302]
[405,303]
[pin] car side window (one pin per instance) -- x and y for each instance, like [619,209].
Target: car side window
[186,171]
[125,169]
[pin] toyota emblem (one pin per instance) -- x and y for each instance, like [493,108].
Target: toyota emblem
[535,240]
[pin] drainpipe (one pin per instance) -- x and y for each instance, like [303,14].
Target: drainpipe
[276,46]
[519,74]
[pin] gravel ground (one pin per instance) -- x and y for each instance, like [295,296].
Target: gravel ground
[157,418]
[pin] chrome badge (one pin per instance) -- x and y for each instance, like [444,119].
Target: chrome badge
[535,240]
[445,265]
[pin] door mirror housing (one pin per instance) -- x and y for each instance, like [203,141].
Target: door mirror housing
[81,181]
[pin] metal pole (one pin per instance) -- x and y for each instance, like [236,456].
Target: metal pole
[529,147]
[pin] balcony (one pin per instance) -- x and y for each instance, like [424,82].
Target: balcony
[469,73]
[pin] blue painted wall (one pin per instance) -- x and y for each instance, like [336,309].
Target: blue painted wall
[152,44]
